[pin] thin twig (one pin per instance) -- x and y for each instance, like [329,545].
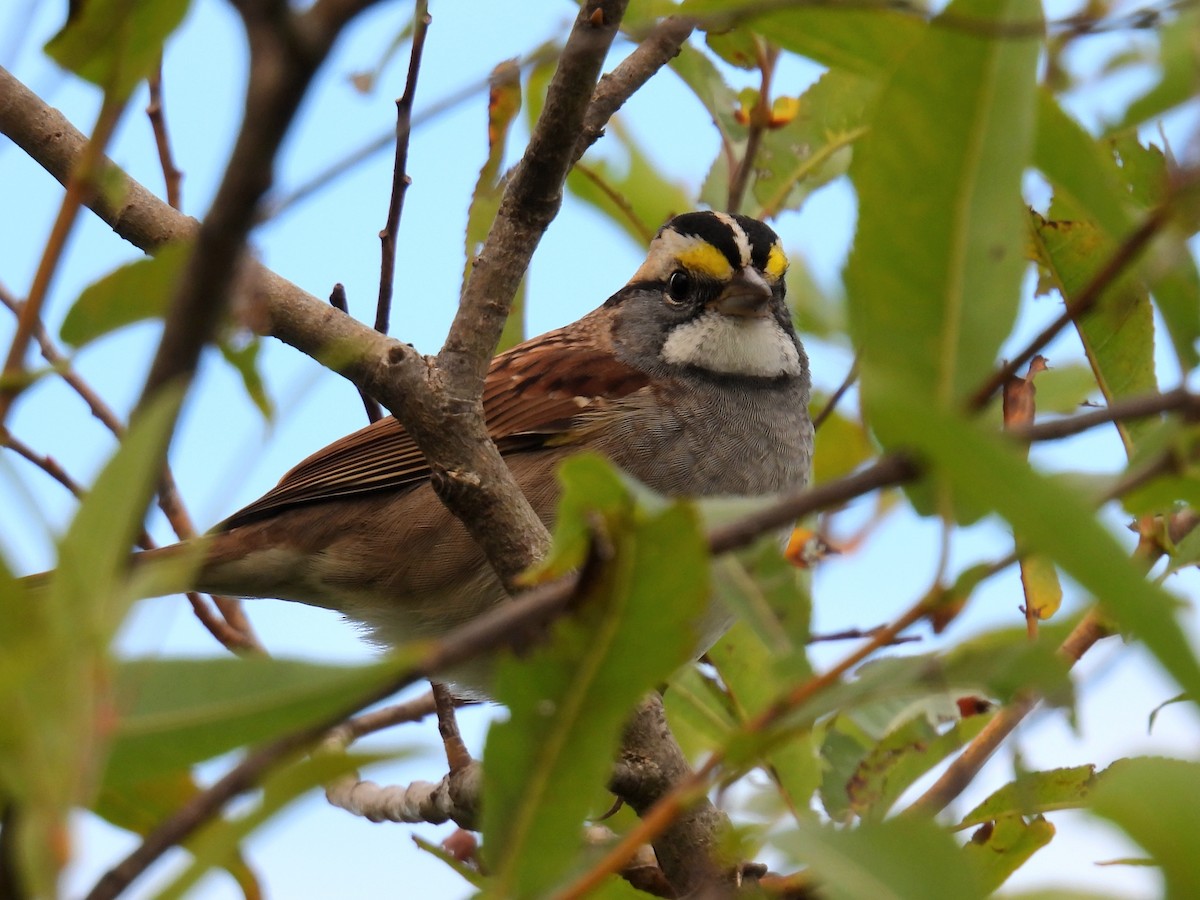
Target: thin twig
[400,179]
[347,732]
[836,397]
[1141,406]
[43,461]
[658,48]
[327,176]
[156,113]
[760,115]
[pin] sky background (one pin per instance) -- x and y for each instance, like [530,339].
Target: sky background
[225,456]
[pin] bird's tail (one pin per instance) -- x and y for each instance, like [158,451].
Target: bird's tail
[152,573]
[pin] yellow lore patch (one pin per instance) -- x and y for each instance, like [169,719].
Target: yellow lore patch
[703,258]
[776,262]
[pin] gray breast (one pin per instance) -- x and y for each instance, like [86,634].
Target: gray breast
[711,438]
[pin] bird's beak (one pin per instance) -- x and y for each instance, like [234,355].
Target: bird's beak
[747,295]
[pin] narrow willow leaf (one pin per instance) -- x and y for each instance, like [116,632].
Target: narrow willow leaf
[116,43]
[705,81]
[1036,792]
[636,623]
[698,711]
[1002,847]
[134,292]
[1153,800]
[1085,175]
[1169,267]
[1080,168]
[174,713]
[933,280]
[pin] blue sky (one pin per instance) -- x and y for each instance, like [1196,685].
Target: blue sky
[224,455]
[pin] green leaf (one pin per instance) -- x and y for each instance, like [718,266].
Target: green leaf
[54,668]
[134,292]
[738,46]
[743,662]
[142,807]
[244,359]
[1118,332]
[933,280]
[700,74]
[698,711]
[637,622]
[116,43]
[892,860]
[815,146]
[219,838]
[1085,175]
[93,556]
[866,40]
[1153,800]
[1064,389]
[1179,57]
[1080,168]
[1036,792]
[634,194]
[842,445]
[894,764]
[1169,267]
[177,712]
[1000,848]
[1050,517]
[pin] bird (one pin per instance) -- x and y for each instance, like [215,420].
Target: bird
[690,378]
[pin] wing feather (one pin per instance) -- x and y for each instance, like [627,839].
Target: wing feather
[533,392]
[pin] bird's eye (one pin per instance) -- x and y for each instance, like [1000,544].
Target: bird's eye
[679,285]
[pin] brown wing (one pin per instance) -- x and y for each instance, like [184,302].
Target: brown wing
[532,392]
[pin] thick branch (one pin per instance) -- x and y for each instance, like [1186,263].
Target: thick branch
[530,201]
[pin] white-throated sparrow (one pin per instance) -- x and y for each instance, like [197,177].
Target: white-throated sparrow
[690,378]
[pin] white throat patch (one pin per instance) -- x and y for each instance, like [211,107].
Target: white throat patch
[733,345]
